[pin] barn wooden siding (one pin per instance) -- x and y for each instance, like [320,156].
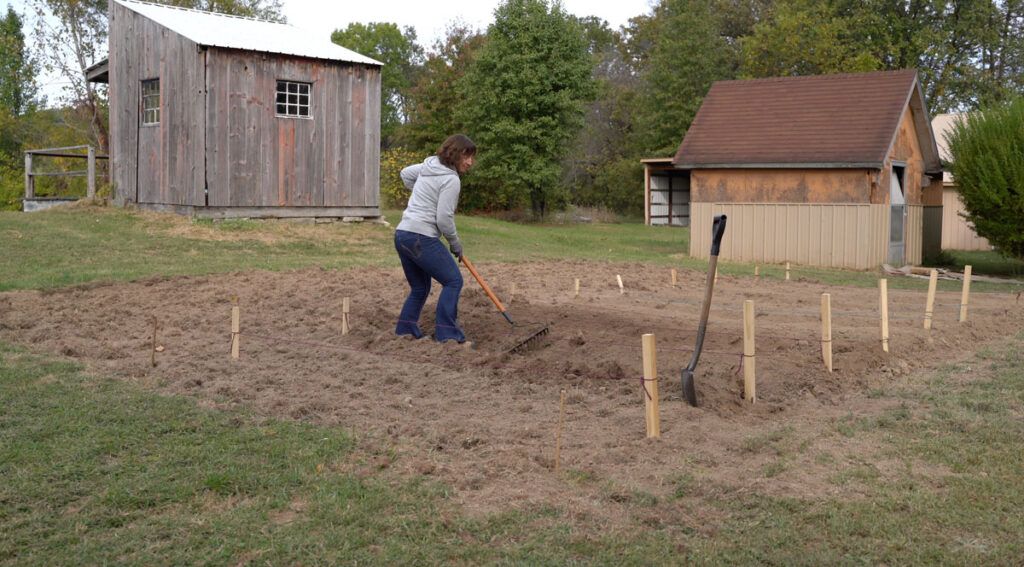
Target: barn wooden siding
[257,159]
[957,233]
[832,235]
[161,163]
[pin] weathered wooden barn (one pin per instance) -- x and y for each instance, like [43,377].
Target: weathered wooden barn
[832,170]
[957,233]
[222,116]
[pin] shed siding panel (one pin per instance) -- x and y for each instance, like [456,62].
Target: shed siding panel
[172,152]
[780,186]
[840,236]
[915,232]
[263,160]
[957,233]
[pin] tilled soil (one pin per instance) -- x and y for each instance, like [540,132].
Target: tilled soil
[484,421]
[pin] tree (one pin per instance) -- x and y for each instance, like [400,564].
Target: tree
[686,55]
[401,56]
[987,160]
[604,138]
[805,37]
[17,70]
[269,10]
[523,100]
[433,99]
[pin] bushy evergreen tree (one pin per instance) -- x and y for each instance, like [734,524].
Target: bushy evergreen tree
[522,101]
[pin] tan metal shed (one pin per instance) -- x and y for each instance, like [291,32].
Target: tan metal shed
[957,233]
[830,170]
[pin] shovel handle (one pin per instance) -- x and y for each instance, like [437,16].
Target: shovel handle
[483,284]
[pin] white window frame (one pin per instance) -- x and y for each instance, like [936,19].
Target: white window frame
[150,103]
[296,97]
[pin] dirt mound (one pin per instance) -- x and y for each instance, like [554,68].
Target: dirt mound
[482,419]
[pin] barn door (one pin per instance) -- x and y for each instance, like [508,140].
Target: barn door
[150,143]
[897,218]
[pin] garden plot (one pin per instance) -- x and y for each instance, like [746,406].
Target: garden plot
[484,421]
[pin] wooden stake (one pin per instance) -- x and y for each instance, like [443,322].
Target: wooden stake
[749,375]
[826,330]
[558,432]
[577,291]
[346,305]
[757,271]
[235,328]
[621,289]
[883,303]
[511,293]
[716,275]
[675,277]
[650,357]
[929,305]
[965,294]
[152,358]
[787,271]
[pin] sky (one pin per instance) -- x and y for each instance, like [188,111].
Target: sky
[429,18]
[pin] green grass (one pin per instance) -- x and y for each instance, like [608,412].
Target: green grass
[74,246]
[99,471]
[66,247]
[983,262]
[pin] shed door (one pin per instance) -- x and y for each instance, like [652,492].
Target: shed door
[150,143]
[897,218]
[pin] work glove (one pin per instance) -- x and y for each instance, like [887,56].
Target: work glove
[456,248]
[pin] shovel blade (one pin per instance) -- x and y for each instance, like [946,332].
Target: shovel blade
[689,391]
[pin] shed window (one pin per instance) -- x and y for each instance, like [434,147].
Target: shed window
[151,101]
[293,99]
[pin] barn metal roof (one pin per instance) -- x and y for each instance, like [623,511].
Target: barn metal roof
[827,121]
[235,32]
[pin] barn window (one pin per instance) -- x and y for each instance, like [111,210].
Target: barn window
[293,99]
[151,101]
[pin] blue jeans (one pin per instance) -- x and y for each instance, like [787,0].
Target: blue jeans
[425,258]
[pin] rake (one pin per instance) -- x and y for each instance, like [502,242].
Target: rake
[532,339]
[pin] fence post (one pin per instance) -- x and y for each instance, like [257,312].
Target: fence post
[749,376]
[235,328]
[91,172]
[826,330]
[929,306]
[30,182]
[883,304]
[965,295]
[650,354]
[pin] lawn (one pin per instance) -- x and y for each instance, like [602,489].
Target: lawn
[99,470]
[79,245]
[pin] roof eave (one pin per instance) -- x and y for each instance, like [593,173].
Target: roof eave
[810,165]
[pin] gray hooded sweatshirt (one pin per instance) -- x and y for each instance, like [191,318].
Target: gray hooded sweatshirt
[435,194]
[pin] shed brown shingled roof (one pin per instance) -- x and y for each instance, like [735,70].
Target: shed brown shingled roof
[845,120]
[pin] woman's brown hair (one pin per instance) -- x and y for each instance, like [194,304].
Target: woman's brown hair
[456,147]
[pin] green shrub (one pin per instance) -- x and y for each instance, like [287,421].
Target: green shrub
[987,152]
[393,193]
[12,187]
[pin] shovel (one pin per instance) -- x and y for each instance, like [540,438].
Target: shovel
[717,231]
[521,345]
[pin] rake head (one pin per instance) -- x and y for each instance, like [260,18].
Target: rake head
[529,342]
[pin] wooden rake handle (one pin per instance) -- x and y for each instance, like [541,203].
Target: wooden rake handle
[486,288]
